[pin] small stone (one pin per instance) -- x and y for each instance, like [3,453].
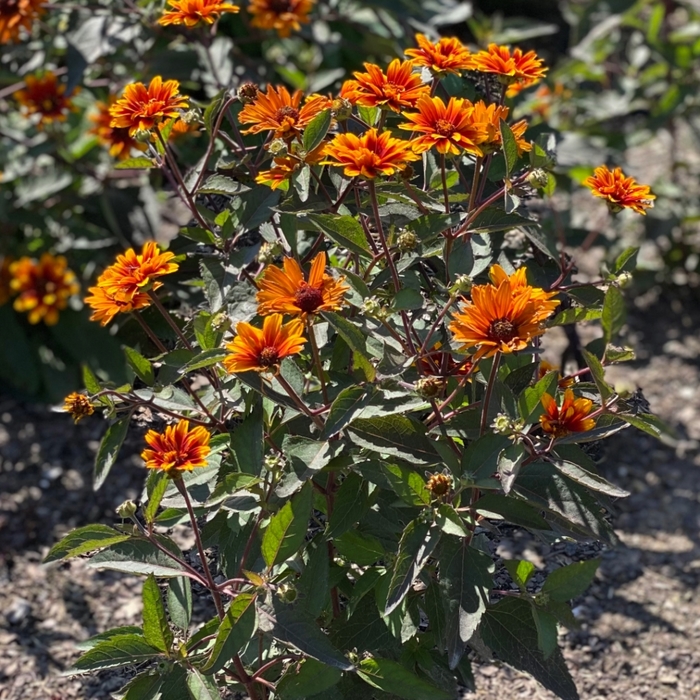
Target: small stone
[18,611]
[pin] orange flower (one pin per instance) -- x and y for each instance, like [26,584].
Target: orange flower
[286,291]
[518,282]
[489,118]
[43,287]
[78,405]
[283,15]
[399,88]
[133,272]
[369,155]
[106,306]
[5,278]
[503,318]
[546,367]
[262,350]
[118,140]
[45,96]
[449,128]
[570,418]
[448,55]
[192,12]
[619,191]
[281,112]
[141,108]
[510,67]
[16,15]
[438,363]
[178,449]
[285,166]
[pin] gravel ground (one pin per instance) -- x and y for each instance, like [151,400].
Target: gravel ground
[640,621]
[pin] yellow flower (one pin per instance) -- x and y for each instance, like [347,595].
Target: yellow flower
[192,12]
[177,449]
[42,288]
[16,15]
[286,291]
[447,55]
[621,192]
[284,16]
[44,95]
[570,418]
[78,405]
[259,350]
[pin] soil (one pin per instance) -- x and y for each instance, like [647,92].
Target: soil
[640,621]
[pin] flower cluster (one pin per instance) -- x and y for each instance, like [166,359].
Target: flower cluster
[17,16]
[125,285]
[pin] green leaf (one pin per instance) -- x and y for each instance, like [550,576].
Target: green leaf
[121,650]
[247,446]
[359,548]
[316,130]
[590,479]
[395,679]
[530,401]
[466,577]
[450,521]
[408,484]
[355,339]
[180,601]
[514,510]
[509,630]
[598,374]
[156,630]
[103,636]
[146,686]
[90,381]
[156,486]
[494,219]
[306,679]
[257,206]
[141,366]
[614,313]
[510,147]
[220,184]
[648,423]
[570,581]
[575,314]
[313,584]
[286,530]
[109,449]
[347,405]
[138,557]
[348,506]
[509,462]
[140,163]
[201,687]
[480,459]
[369,115]
[345,230]
[234,633]
[204,359]
[398,436]
[307,456]
[626,261]
[83,540]
[520,571]
[290,624]
[546,625]
[417,544]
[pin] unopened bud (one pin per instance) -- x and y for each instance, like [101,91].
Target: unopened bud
[373,307]
[429,387]
[143,136]
[538,178]
[248,93]
[407,241]
[268,252]
[278,148]
[287,593]
[462,285]
[127,510]
[341,109]
[502,424]
[220,321]
[439,485]
[624,279]
[191,116]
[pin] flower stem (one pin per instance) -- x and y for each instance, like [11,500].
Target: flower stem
[164,313]
[489,391]
[297,400]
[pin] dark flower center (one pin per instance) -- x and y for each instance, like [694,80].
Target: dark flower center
[444,127]
[9,7]
[279,7]
[308,298]
[502,330]
[268,357]
[287,113]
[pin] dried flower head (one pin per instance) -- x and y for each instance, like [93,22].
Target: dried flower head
[619,191]
[571,417]
[45,96]
[439,485]
[285,16]
[78,405]
[447,55]
[177,449]
[192,12]
[18,15]
[247,93]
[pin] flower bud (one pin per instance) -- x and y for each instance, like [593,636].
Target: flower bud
[407,241]
[127,510]
[538,178]
[429,387]
[287,593]
[624,279]
[373,307]
[248,93]
[278,148]
[191,116]
[268,252]
[462,285]
[341,109]
[220,321]
[439,485]
[143,136]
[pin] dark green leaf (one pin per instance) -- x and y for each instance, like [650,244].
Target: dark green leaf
[598,374]
[247,451]
[347,405]
[316,130]
[348,506]
[204,359]
[494,219]
[588,478]
[614,313]
[570,581]
[257,207]
[156,486]
[509,630]
[286,530]
[408,484]
[313,584]
[648,423]
[83,540]
[201,687]
[530,401]
[138,557]
[480,459]
[156,630]
[346,231]
[353,336]
[575,314]
[141,366]
[514,510]
[307,679]
[626,261]
[180,601]
[234,633]
[510,147]
[509,462]
[122,650]
[393,678]
[103,636]
[220,184]
[359,548]
[92,384]
[146,686]
[109,449]
[546,625]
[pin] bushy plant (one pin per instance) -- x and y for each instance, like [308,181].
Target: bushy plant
[341,359]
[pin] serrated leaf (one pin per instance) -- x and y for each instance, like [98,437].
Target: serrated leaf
[145,686]
[313,584]
[450,521]
[359,548]
[290,624]
[247,451]
[287,528]
[316,130]
[509,630]
[308,678]
[417,544]
[140,163]
[514,510]
[109,449]
[393,678]
[575,315]
[648,423]
[138,556]
[180,601]
[347,405]
[480,459]
[570,581]
[103,636]
[234,633]
[355,340]
[156,630]
[408,484]
[201,687]
[347,506]
[345,230]
[122,650]
[141,366]
[546,625]
[83,540]
[90,381]
[220,184]
[204,359]
[614,313]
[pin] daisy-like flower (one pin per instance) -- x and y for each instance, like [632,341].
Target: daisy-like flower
[45,96]
[117,139]
[503,318]
[449,127]
[43,288]
[545,301]
[546,367]
[285,16]
[489,118]
[16,15]
[259,350]
[510,67]
[278,111]
[105,306]
[370,155]
[285,166]
[192,12]
[286,291]
[398,88]
[141,108]
[447,55]
[571,417]
[78,405]
[178,449]
[619,191]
